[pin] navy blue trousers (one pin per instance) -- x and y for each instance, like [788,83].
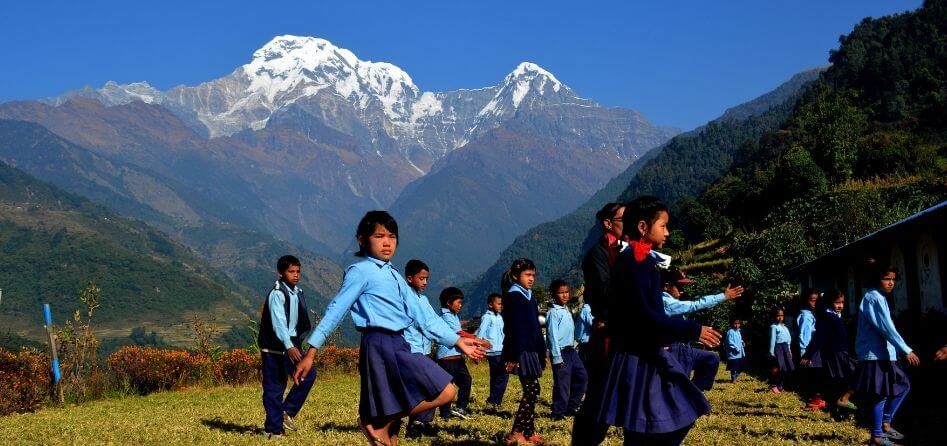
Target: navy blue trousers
[569,381]
[457,368]
[276,370]
[498,379]
[706,364]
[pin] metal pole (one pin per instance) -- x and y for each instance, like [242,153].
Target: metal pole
[48,318]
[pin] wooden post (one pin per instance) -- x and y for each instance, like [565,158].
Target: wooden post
[57,377]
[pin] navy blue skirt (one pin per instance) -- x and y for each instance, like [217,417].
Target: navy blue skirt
[815,361]
[530,366]
[881,378]
[649,395]
[838,365]
[394,380]
[783,358]
[684,354]
[735,365]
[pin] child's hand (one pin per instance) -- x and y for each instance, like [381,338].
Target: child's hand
[304,366]
[709,337]
[804,362]
[913,359]
[510,366]
[485,344]
[294,354]
[731,293]
[941,354]
[471,347]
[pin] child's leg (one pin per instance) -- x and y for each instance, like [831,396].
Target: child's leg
[464,383]
[498,379]
[674,438]
[877,415]
[445,397]
[561,379]
[580,380]
[298,393]
[448,367]
[274,383]
[891,408]
[525,419]
[706,364]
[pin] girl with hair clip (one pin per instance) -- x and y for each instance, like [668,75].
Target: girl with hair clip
[877,346]
[646,391]
[524,349]
[394,382]
[829,349]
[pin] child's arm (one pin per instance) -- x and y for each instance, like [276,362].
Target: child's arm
[278,318]
[880,318]
[806,328]
[552,329]
[676,307]
[353,283]
[483,329]
[772,339]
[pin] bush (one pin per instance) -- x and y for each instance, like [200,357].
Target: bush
[237,366]
[24,380]
[149,369]
[336,359]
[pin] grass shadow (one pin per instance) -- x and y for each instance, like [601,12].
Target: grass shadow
[234,428]
[340,427]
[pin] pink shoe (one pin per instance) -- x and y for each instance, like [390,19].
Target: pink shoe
[775,389]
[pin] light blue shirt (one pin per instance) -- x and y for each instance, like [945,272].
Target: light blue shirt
[376,296]
[877,338]
[517,287]
[284,329]
[453,322]
[806,323]
[491,329]
[678,308]
[413,335]
[559,331]
[583,324]
[735,344]
[778,334]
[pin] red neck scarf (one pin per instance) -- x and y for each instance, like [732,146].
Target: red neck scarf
[640,250]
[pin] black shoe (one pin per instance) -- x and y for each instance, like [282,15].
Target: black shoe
[460,413]
[416,429]
[573,412]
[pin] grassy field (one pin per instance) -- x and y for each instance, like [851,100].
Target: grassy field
[744,413]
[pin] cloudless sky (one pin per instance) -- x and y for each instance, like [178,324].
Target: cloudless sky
[680,62]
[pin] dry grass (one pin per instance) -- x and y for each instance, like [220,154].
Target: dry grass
[743,414]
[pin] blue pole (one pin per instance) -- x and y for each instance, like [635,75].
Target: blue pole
[48,319]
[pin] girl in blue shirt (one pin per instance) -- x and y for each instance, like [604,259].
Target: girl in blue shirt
[877,345]
[394,382]
[779,352]
[829,345]
[736,352]
[524,349]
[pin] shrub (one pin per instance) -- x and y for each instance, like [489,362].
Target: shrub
[336,359]
[237,366]
[24,380]
[149,369]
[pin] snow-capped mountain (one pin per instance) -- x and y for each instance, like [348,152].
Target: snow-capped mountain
[332,85]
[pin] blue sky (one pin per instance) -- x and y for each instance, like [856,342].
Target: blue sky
[681,63]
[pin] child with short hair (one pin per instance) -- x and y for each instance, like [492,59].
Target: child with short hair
[569,378]
[491,329]
[283,320]
[450,359]
[393,381]
[779,352]
[877,345]
[735,350]
[524,349]
[417,274]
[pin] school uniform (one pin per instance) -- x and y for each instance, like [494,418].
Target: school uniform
[735,352]
[703,363]
[779,339]
[569,378]
[491,329]
[829,346]
[877,345]
[523,344]
[420,345]
[392,379]
[583,332]
[452,361]
[283,320]
[646,392]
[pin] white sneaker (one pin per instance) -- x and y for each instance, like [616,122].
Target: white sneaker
[288,422]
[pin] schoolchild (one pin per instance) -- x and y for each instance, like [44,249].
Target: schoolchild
[417,274]
[569,378]
[779,353]
[450,358]
[491,329]
[735,350]
[829,346]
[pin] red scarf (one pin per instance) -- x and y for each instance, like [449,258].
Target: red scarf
[640,250]
[612,246]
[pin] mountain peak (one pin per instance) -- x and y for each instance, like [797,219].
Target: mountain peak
[529,70]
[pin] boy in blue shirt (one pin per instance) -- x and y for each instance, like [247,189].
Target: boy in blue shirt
[417,274]
[283,320]
[450,358]
[491,329]
[569,377]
